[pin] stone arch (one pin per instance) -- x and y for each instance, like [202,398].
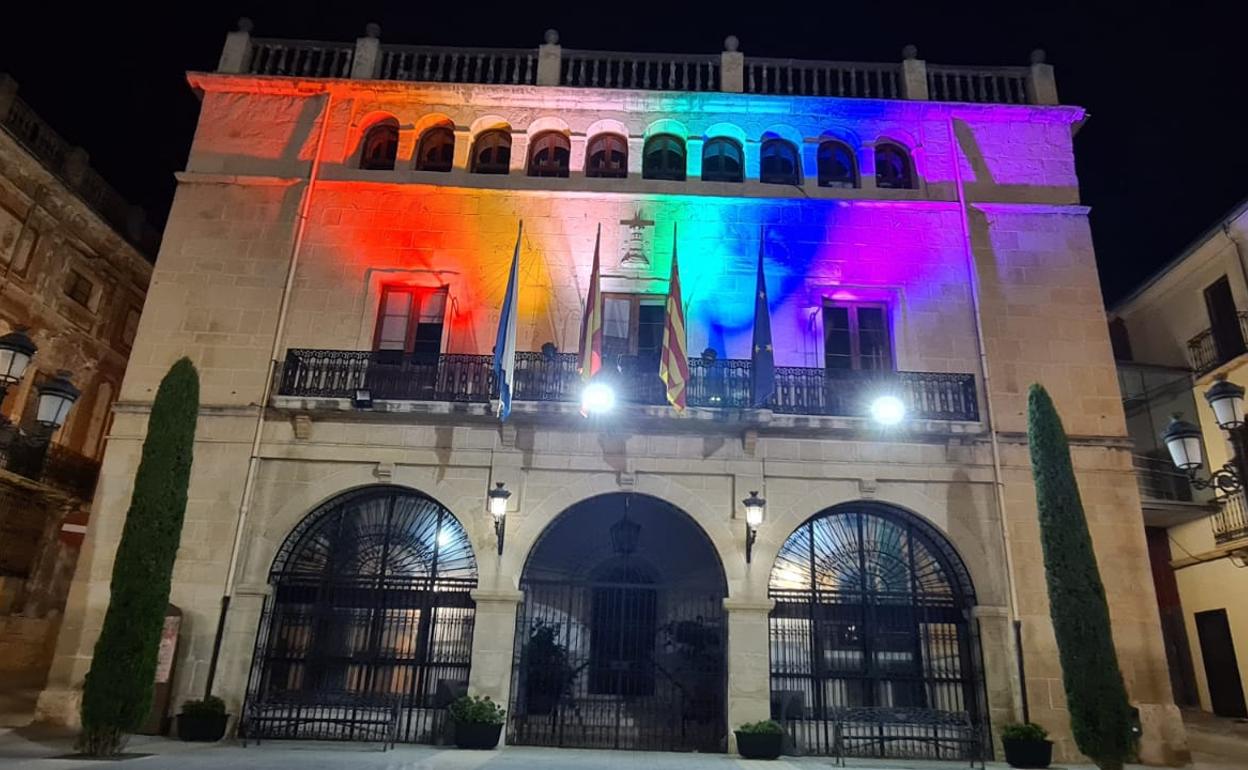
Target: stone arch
[667,126]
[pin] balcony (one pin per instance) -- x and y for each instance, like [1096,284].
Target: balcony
[1230,523]
[50,465]
[718,384]
[1203,352]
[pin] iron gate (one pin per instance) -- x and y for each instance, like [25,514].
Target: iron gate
[620,640]
[619,664]
[871,639]
[370,622]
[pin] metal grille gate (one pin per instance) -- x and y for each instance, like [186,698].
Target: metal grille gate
[619,664]
[871,637]
[370,618]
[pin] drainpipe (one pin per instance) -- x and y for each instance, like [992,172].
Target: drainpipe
[998,484]
[253,462]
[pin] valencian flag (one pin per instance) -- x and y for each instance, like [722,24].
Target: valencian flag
[505,343]
[590,350]
[674,365]
[762,358]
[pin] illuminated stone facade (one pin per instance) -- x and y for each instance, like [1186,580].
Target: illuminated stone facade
[983,259]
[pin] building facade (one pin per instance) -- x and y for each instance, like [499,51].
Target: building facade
[335,263]
[73,273]
[1185,328]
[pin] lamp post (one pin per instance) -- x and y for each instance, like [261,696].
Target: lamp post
[497,501]
[755,510]
[16,350]
[1182,439]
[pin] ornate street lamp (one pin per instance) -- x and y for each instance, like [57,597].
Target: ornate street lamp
[1182,438]
[755,510]
[56,397]
[16,350]
[497,501]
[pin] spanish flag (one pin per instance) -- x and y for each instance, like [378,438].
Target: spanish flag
[674,365]
[590,350]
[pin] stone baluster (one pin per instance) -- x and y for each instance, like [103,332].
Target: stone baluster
[913,74]
[1041,85]
[732,66]
[236,54]
[366,64]
[549,59]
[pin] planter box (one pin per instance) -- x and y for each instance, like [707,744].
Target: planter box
[759,745]
[1027,754]
[202,727]
[477,735]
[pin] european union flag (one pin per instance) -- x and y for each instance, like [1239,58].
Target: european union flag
[763,360]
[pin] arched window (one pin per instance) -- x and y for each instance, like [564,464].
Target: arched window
[436,151]
[836,165]
[721,160]
[779,163]
[892,167]
[549,154]
[664,158]
[607,157]
[380,146]
[492,153]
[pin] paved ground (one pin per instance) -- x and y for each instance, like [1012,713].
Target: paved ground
[1217,744]
[27,749]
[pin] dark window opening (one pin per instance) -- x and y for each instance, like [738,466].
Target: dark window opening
[79,288]
[892,168]
[607,157]
[410,322]
[549,155]
[836,165]
[381,146]
[1228,336]
[664,158]
[779,164]
[437,149]
[722,161]
[492,153]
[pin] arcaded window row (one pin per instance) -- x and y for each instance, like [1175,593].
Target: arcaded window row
[664,156]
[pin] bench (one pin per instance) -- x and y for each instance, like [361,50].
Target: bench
[954,731]
[340,716]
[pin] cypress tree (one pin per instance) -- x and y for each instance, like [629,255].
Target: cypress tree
[118,690]
[1100,715]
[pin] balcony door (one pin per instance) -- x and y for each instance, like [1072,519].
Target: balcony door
[1217,647]
[409,324]
[856,337]
[632,341]
[1228,338]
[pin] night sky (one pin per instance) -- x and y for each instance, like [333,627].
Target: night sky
[1161,158]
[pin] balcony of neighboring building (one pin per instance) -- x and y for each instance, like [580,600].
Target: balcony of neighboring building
[1220,344]
[1230,523]
[548,383]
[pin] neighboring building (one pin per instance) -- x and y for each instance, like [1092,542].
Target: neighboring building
[1185,328]
[74,269]
[335,263]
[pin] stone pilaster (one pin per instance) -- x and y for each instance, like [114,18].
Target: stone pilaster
[749,663]
[913,74]
[549,60]
[366,63]
[493,643]
[237,49]
[1041,83]
[732,67]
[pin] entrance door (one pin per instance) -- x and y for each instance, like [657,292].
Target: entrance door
[1226,691]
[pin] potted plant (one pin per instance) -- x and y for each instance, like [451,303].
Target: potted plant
[478,721]
[1026,745]
[202,720]
[760,740]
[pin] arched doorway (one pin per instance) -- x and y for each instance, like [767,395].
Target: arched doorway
[871,628]
[620,639]
[370,605]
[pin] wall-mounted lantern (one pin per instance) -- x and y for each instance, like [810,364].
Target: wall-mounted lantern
[755,510]
[497,502]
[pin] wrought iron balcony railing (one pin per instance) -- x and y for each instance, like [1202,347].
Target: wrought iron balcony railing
[715,384]
[1203,351]
[1159,480]
[52,465]
[1230,523]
